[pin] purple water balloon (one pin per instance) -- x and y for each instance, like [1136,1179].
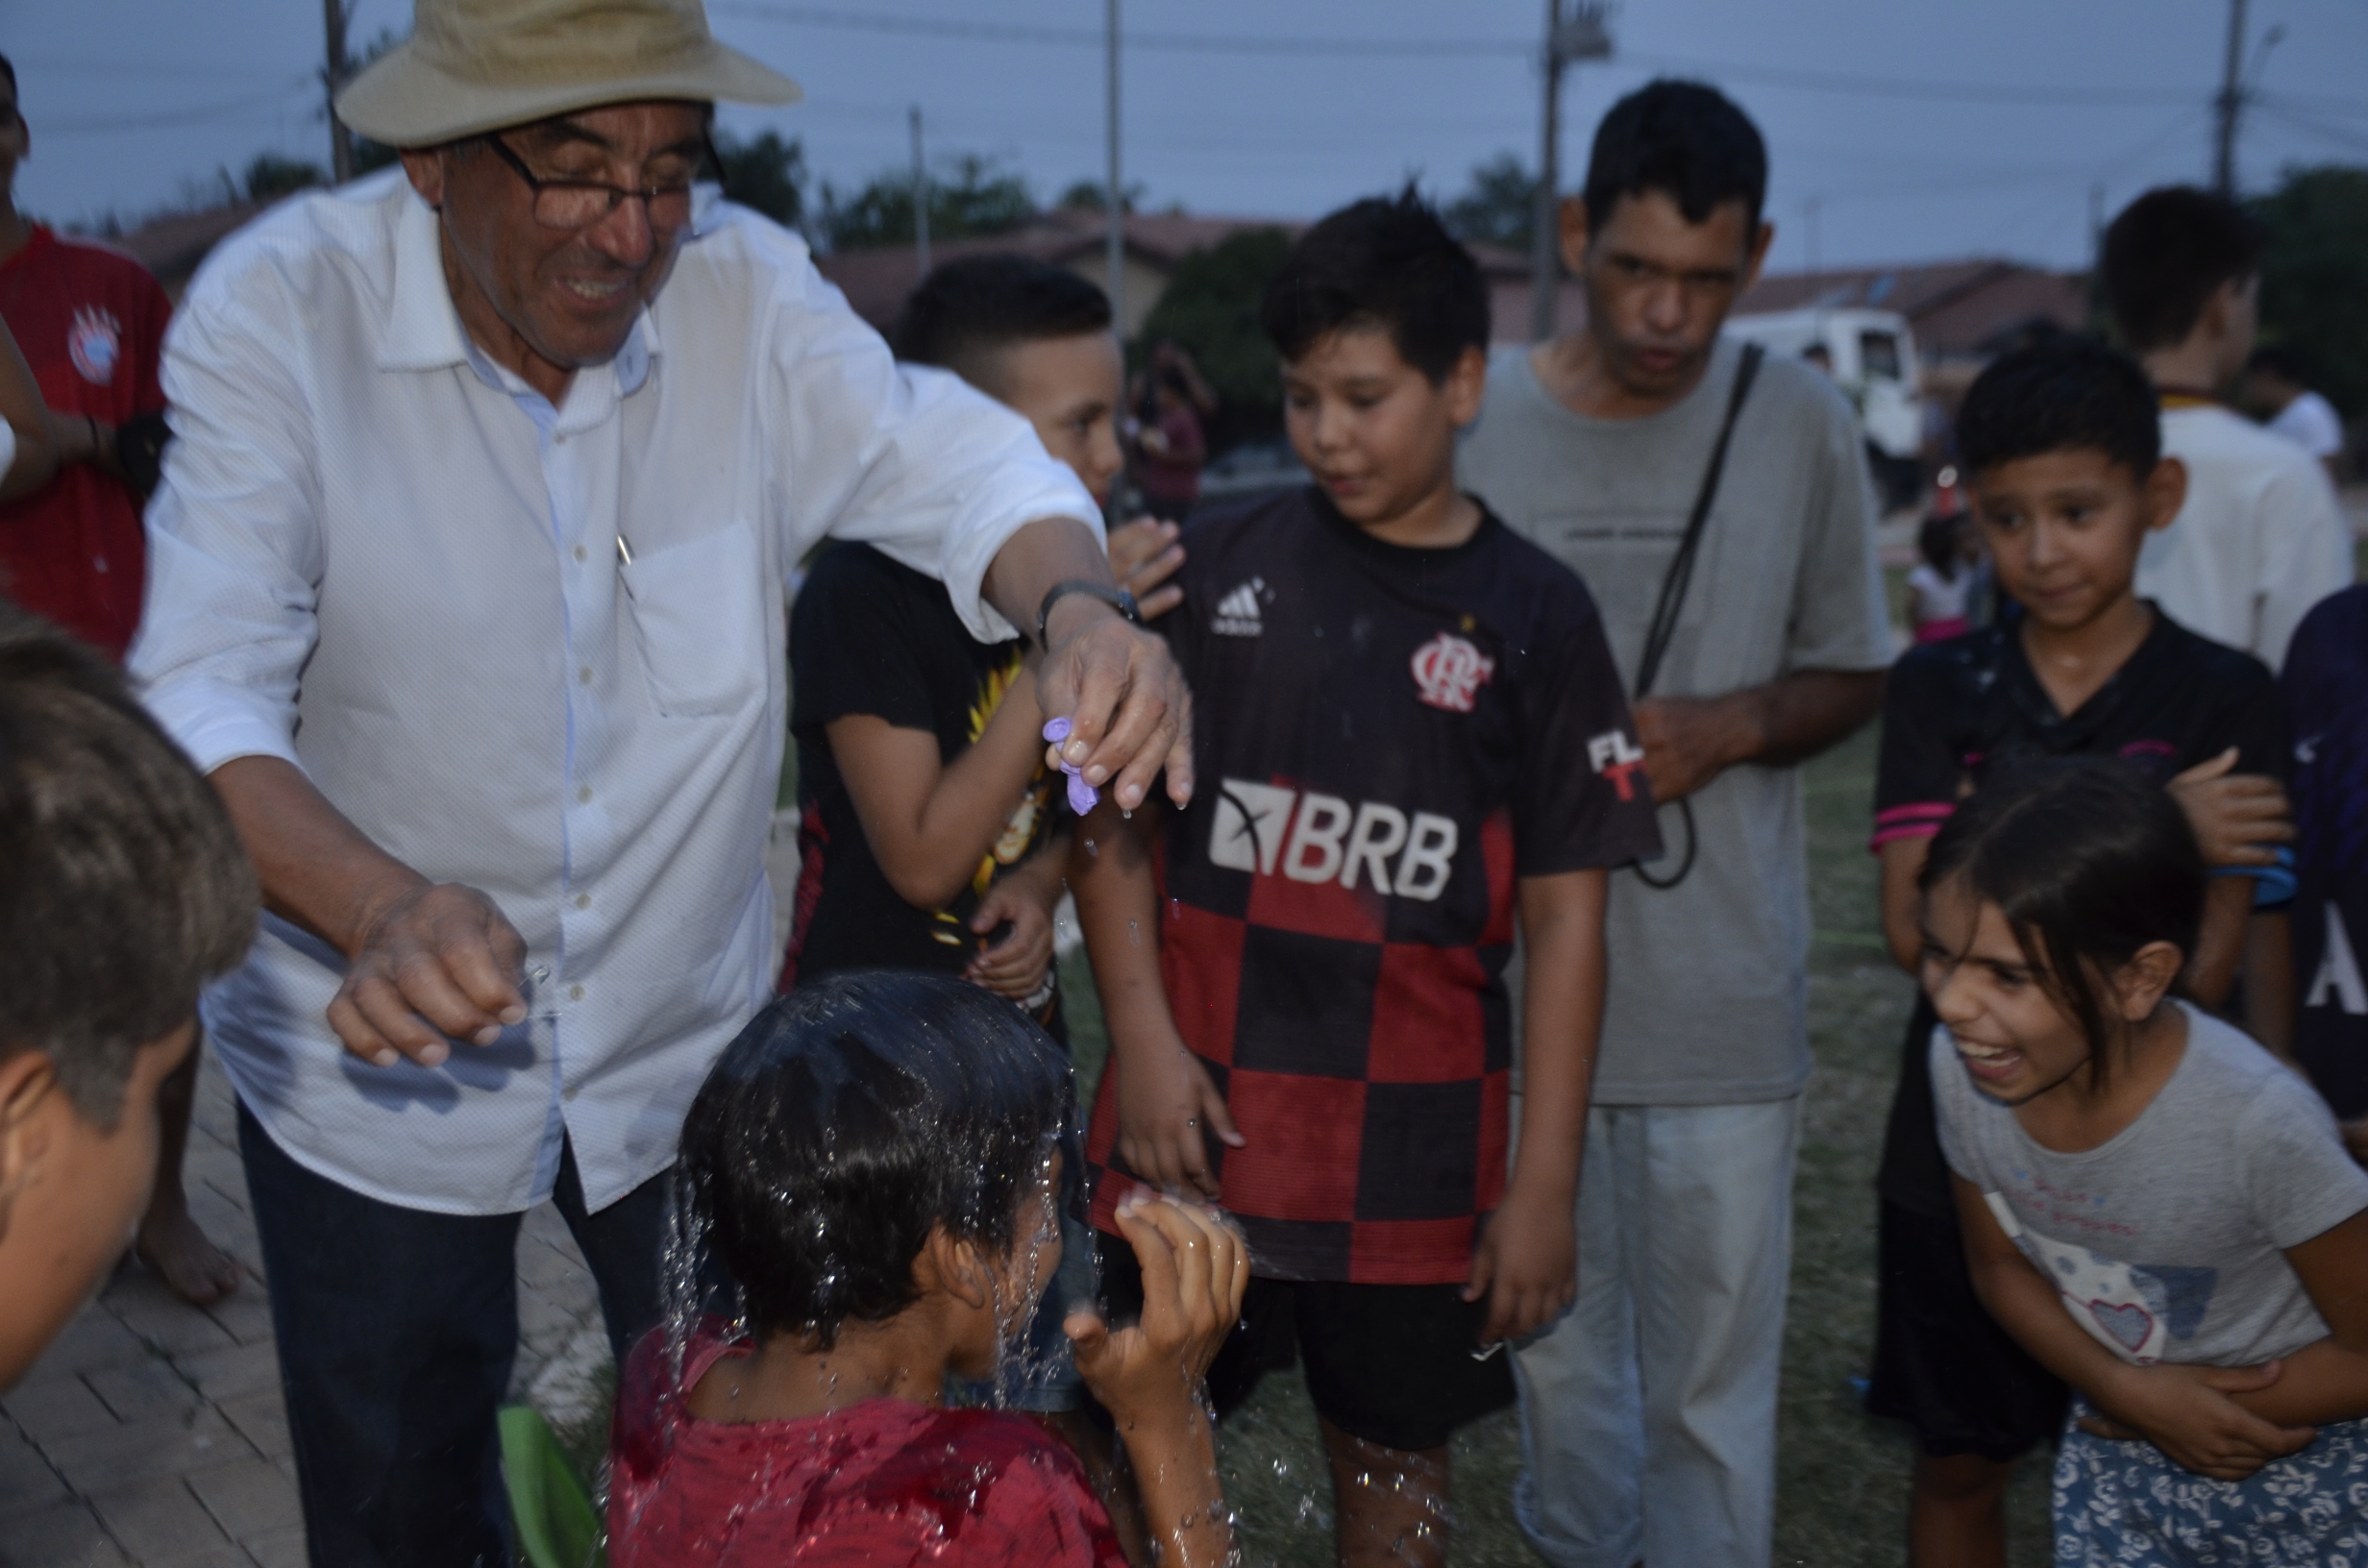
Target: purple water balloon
[1082,796]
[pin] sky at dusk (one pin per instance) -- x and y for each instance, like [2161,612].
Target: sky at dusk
[1898,131]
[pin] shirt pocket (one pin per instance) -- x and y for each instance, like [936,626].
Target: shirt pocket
[698,615]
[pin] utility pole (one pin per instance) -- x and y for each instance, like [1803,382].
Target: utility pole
[340,141]
[1576,35]
[1114,194]
[921,202]
[2230,104]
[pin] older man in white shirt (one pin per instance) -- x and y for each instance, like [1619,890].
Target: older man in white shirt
[466,590]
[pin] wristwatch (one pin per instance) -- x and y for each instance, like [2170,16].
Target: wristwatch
[1117,599]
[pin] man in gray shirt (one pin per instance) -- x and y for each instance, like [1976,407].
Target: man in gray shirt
[1649,1409]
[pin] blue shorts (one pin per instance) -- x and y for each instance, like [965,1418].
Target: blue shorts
[2127,1505]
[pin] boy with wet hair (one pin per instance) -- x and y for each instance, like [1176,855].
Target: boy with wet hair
[2260,538]
[122,892]
[1412,741]
[2063,453]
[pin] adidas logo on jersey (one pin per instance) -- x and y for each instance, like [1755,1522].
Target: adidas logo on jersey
[1262,828]
[1237,613]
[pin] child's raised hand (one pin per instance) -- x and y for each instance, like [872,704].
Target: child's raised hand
[1143,555]
[2238,818]
[1016,966]
[2188,1412]
[1195,1270]
[1166,1107]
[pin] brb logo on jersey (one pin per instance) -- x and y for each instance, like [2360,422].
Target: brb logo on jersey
[1617,758]
[94,343]
[1314,837]
[1449,672]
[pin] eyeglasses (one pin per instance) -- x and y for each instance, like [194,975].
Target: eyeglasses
[579,204]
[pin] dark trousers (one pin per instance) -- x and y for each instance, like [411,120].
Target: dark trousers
[397,1330]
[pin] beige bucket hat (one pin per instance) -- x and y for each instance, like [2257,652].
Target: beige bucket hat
[476,66]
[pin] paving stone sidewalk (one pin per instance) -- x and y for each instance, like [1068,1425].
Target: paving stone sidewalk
[152,1432]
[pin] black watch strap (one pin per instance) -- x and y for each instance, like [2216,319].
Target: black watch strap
[1117,599]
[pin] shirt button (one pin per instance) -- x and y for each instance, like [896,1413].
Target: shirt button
[575,993]
[568,1093]
[580,553]
[558,440]
[584,793]
[583,901]
[584,674]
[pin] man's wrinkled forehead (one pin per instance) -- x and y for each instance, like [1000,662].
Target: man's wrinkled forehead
[604,130]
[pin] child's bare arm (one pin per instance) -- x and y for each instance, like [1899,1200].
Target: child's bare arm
[2327,1381]
[2238,817]
[1194,1271]
[1527,1260]
[1903,906]
[2220,945]
[929,824]
[2269,983]
[2190,1412]
[1025,897]
[1166,1101]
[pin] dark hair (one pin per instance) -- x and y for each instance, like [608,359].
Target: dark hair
[2281,361]
[123,887]
[850,1117]
[2089,862]
[1939,540]
[968,310]
[2060,394]
[2165,256]
[1386,262]
[1686,139]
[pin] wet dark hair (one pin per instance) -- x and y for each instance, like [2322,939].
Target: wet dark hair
[2088,861]
[849,1118]
[1938,539]
[123,887]
[1386,261]
[969,310]
[2164,256]
[2060,394]
[1686,139]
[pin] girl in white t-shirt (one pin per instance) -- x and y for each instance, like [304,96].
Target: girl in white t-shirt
[2155,1209]
[1941,590]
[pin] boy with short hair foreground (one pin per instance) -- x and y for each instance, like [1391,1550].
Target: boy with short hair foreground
[876,1160]
[1409,733]
[122,890]
[2063,452]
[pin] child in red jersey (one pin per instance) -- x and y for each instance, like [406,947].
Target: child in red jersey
[875,1159]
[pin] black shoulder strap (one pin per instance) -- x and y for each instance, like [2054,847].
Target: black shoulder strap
[1673,586]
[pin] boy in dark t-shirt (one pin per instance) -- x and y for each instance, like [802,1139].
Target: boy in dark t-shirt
[2062,451]
[2325,683]
[1409,733]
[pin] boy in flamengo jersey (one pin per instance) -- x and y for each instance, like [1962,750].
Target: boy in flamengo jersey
[2069,478]
[1409,733]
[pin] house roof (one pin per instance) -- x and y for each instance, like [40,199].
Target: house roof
[172,246]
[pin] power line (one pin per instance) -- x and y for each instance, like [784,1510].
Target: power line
[229,109]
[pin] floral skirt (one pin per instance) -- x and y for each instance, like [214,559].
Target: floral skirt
[2125,1504]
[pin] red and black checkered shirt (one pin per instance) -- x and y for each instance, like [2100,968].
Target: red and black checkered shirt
[1387,739]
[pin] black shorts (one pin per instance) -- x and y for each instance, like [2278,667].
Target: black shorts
[1390,1364]
[1942,1364]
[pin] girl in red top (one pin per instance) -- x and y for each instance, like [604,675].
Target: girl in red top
[875,1159]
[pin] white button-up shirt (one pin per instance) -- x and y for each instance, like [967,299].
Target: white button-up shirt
[381,558]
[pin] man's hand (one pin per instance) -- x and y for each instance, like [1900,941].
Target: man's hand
[2186,1412]
[1688,741]
[435,962]
[1143,555]
[1167,1109]
[2238,818]
[1014,967]
[1129,714]
[1527,1265]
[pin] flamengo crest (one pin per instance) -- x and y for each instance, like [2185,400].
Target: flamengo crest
[94,343]
[1449,672]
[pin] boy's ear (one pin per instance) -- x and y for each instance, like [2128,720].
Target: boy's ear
[2166,493]
[2141,984]
[1760,242]
[1466,384]
[28,1079]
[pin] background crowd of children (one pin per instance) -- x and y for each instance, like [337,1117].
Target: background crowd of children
[2122,816]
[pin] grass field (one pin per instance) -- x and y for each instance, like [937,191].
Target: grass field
[1842,1494]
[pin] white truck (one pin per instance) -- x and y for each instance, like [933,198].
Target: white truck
[1871,357]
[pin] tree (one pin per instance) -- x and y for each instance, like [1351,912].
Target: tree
[1091,196]
[270,176]
[1498,206]
[2315,277]
[980,198]
[765,172]
[1211,308]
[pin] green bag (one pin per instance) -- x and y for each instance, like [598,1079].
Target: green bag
[549,1509]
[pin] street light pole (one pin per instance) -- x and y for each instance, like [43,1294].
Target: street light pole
[921,202]
[333,77]
[1113,198]
[1579,35]
[2231,103]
